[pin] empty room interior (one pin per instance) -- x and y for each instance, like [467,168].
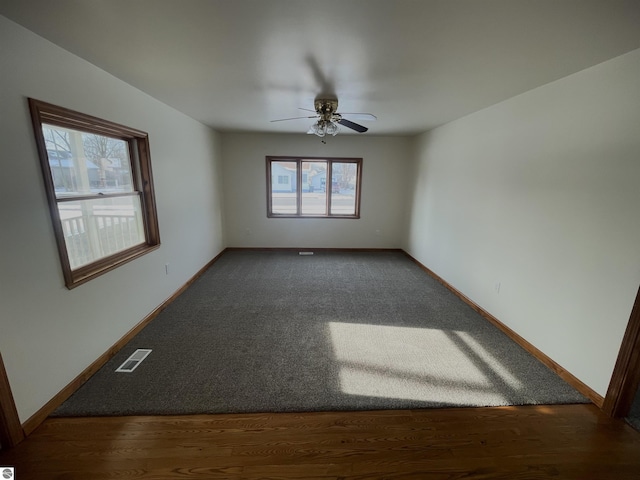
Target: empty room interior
[308,173]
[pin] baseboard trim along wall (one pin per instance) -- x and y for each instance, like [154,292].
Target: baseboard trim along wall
[580,386]
[37,418]
[311,249]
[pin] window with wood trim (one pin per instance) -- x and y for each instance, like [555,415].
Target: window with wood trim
[313,187]
[99,185]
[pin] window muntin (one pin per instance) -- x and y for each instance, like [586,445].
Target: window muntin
[315,197]
[100,190]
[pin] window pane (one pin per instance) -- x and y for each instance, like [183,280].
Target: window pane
[86,163]
[343,192]
[314,191]
[283,188]
[97,228]
[298,187]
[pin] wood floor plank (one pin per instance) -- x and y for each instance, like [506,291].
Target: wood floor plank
[531,442]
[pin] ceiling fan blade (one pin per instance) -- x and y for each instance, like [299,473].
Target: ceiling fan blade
[352,126]
[292,118]
[360,116]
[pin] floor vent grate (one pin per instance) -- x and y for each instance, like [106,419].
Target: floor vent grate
[136,358]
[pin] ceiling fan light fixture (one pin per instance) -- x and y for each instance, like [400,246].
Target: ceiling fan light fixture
[324,127]
[329,120]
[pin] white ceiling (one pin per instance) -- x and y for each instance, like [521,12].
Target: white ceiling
[236,65]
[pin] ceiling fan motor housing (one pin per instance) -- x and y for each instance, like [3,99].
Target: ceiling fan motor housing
[326,107]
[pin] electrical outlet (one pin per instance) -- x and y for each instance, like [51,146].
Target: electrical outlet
[166,269]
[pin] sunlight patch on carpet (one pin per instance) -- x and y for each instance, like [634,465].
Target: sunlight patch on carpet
[413,364]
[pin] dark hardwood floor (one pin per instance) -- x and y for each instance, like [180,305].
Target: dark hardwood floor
[531,442]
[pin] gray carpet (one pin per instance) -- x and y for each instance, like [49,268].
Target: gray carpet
[275,331]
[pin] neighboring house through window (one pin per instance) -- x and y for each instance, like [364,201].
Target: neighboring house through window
[298,187]
[98,181]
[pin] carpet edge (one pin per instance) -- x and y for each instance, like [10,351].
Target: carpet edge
[567,376]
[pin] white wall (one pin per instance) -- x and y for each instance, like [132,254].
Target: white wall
[541,193]
[385,178]
[49,334]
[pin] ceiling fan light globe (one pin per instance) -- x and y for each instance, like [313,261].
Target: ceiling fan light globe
[319,128]
[332,129]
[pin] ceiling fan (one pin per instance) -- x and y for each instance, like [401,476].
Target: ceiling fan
[328,118]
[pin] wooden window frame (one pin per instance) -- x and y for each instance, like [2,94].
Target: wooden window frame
[142,180]
[298,161]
